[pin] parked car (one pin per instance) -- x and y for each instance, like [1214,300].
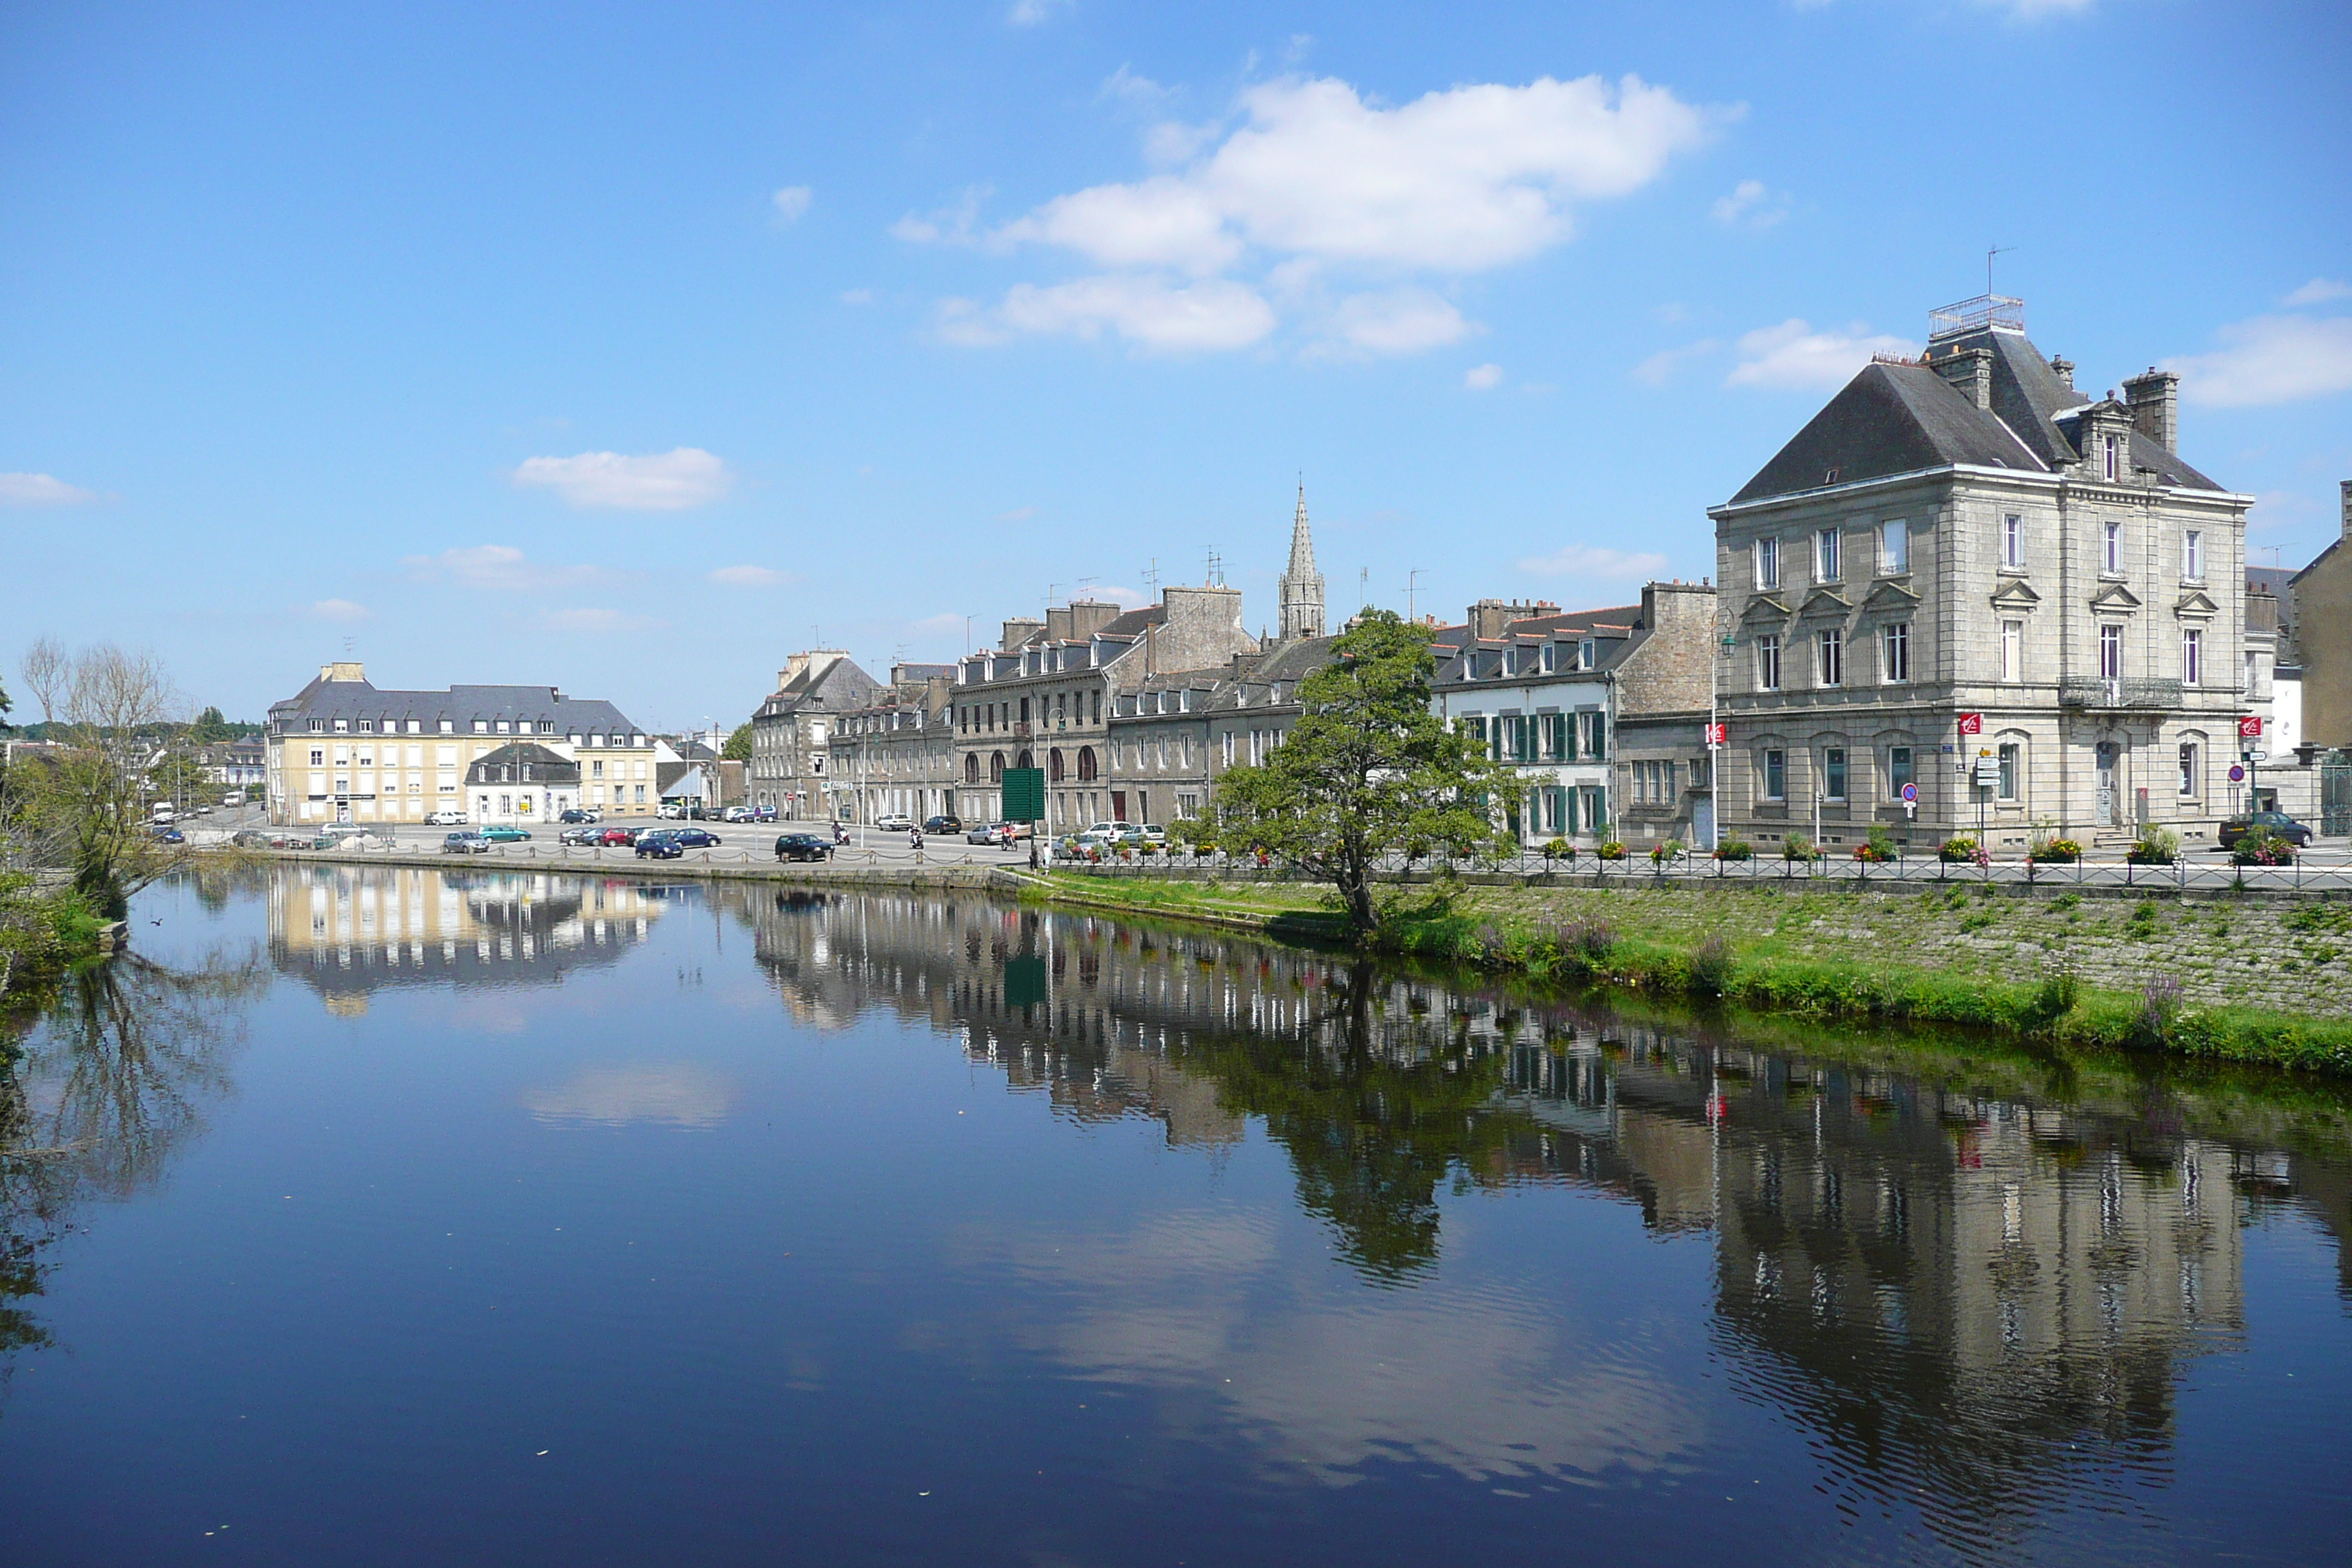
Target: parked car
[803,847]
[204,811]
[622,837]
[985,833]
[445,819]
[763,814]
[894,822]
[583,836]
[250,838]
[465,844]
[739,814]
[948,824]
[672,810]
[693,837]
[658,847]
[1152,833]
[166,834]
[299,838]
[2268,825]
[576,814]
[1102,835]
[336,832]
[501,832]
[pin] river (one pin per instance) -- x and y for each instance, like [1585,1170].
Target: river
[373,1216]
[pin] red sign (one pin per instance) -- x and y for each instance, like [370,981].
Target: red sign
[1718,735]
[2250,729]
[1971,723]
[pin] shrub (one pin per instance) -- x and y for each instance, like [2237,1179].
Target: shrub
[1880,847]
[2159,1009]
[1733,850]
[1964,851]
[1611,849]
[2054,851]
[1667,853]
[2143,922]
[1560,849]
[2055,998]
[1585,944]
[2269,849]
[2155,847]
[1491,947]
[1710,967]
[1797,847]
[1203,847]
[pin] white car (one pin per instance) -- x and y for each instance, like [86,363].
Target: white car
[894,822]
[446,819]
[1102,834]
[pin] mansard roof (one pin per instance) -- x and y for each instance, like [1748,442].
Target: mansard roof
[539,708]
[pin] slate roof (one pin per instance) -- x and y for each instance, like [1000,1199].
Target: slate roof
[836,688]
[1896,418]
[544,709]
[546,767]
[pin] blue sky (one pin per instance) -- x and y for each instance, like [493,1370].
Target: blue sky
[630,349]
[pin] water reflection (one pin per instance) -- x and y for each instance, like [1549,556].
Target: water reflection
[1973,1297]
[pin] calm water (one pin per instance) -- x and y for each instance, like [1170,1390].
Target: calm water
[405,1217]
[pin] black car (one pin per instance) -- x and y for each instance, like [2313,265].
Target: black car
[575,816]
[2265,825]
[693,837]
[658,847]
[803,847]
[950,824]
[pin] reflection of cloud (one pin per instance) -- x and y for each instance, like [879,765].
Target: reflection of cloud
[680,1093]
[1484,1381]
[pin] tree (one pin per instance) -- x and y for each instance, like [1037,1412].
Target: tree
[739,744]
[1368,768]
[209,726]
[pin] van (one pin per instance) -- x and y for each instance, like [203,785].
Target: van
[164,812]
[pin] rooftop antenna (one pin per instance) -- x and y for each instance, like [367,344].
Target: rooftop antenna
[1049,594]
[1991,251]
[1411,578]
[1152,573]
[967,636]
[1086,583]
[1216,570]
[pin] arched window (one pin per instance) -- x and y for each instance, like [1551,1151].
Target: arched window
[1025,760]
[996,767]
[1085,764]
[1054,765]
[971,767]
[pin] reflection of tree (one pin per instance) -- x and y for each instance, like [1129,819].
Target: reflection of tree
[109,1082]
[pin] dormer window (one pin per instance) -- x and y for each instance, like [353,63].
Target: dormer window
[1587,654]
[2112,446]
[1550,656]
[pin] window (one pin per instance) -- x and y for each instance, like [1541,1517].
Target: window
[1594,729]
[2111,651]
[1585,651]
[1894,548]
[2013,543]
[2013,650]
[318,757]
[2112,447]
[1767,563]
[1226,744]
[1767,662]
[1896,641]
[1833,774]
[2192,656]
[1551,654]
[2192,556]
[1900,770]
[1829,657]
[2111,550]
[2188,768]
[2010,754]
[1825,556]
[1776,775]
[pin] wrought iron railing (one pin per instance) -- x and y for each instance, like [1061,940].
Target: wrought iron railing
[2117,692]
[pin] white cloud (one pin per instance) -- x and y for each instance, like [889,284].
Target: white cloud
[41,490]
[1656,370]
[1462,180]
[1398,321]
[2318,291]
[750,577]
[658,482]
[2270,359]
[791,203]
[1594,561]
[498,568]
[1751,205]
[337,610]
[1794,355]
[1123,86]
[946,226]
[1212,313]
[1030,13]
[1482,377]
[597,620]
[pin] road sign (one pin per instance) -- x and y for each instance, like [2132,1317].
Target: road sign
[1718,735]
[1910,794]
[2236,774]
[1988,773]
[2255,756]
[1024,795]
[2250,728]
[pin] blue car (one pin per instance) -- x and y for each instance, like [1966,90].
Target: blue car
[657,846]
[693,837]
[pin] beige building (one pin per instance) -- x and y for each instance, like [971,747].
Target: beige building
[341,749]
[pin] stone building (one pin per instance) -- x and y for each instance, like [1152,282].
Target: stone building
[1044,695]
[1601,712]
[790,733]
[1968,534]
[522,784]
[896,755]
[342,751]
[1300,590]
[2321,594]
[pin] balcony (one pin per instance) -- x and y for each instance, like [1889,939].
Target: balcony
[2126,691]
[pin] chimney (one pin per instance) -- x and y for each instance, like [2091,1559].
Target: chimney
[2155,400]
[1057,623]
[341,671]
[1019,630]
[2343,488]
[1088,616]
[1968,371]
[2063,369]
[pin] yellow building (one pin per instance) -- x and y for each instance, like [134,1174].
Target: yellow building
[342,751]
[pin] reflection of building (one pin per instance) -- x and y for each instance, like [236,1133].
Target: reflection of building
[346,931]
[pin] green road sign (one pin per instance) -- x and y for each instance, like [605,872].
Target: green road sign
[1024,795]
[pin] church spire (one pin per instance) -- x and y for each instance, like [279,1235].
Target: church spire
[1301,590]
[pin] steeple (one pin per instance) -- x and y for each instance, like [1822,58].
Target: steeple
[1301,590]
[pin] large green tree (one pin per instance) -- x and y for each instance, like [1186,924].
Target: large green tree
[739,744]
[1367,769]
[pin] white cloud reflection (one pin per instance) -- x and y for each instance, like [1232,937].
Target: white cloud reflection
[678,1094]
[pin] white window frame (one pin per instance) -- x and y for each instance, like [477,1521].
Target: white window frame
[1776,758]
[1894,548]
[1767,662]
[1767,560]
[1828,564]
[1895,653]
[2192,556]
[1836,773]
[1828,656]
[2111,547]
[2191,770]
[2111,650]
[2192,656]
[2013,650]
[2012,542]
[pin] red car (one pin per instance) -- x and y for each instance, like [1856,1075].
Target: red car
[620,836]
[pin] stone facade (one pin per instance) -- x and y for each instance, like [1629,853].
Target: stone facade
[2322,594]
[792,733]
[897,755]
[1966,534]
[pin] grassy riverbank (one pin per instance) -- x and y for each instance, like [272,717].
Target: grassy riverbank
[2222,979]
[42,932]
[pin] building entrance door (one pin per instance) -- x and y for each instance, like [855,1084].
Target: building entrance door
[2103,809]
[1703,821]
[1119,806]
